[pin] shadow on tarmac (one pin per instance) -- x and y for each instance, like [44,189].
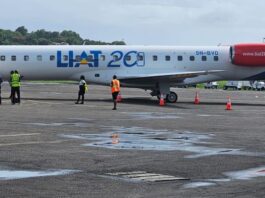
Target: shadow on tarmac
[146,101]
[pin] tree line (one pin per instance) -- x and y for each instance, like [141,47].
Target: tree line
[21,36]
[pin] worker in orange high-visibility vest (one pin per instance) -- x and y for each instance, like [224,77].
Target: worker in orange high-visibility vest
[115,89]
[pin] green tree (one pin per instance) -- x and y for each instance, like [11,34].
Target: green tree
[21,36]
[22,30]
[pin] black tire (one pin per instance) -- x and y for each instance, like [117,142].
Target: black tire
[172,97]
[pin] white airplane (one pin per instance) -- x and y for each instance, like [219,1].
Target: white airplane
[152,68]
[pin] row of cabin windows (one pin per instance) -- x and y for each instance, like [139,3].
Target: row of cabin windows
[115,57]
[26,58]
[192,58]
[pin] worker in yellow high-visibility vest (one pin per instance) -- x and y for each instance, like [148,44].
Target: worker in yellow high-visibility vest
[15,87]
[115,89]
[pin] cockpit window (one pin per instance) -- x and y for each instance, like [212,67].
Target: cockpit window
[2,58]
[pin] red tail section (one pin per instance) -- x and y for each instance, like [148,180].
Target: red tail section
[248,54]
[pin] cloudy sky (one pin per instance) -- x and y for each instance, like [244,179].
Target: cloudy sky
[148,22]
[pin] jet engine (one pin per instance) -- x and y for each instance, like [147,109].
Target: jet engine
[251,55]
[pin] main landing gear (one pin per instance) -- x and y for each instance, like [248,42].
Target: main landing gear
[162,89]
[172,97]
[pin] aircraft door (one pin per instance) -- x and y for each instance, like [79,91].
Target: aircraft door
[140,59]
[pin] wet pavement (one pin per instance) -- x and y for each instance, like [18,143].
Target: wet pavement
[136,138]
[23,174]
[50,147]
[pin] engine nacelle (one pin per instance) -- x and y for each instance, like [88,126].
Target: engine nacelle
[248,55]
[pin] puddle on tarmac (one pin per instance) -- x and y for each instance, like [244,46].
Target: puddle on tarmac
[58,124]
[161,115]
[207,115]
[137,138]
[230,176]
[246,174]
[19,174]
[152,115]
[199,184]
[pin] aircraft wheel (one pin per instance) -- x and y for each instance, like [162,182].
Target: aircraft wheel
[172,97]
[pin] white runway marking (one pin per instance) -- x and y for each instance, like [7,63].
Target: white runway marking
[17,135]
[144,176]
[28,143]
[42,102]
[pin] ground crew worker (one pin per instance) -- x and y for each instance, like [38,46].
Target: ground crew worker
[15,87]
[82,90]
[115,89]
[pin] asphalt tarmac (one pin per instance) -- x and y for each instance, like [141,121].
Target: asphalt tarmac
[51,147]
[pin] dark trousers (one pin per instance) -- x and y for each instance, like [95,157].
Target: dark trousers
[14,91]
[114,98]
[81,94]
[0,95]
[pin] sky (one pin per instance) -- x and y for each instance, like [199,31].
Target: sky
[143,22]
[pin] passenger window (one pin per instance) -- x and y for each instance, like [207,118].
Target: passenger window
[90,58]
[216,58]
[180,58]
[128,58]
[77,58]
[140,58]
[204,58]
[167,58]
[52,58]
[65,58]
[13,58]
[3,58]
[102,57]
[155,58]
[39,58]
[26,58]
[192,58]
[115,58]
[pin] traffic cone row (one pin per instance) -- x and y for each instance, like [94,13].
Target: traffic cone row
[197,101]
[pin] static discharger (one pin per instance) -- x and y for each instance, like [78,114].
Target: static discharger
[197,98]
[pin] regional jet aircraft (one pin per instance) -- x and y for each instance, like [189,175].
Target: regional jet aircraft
[153,68]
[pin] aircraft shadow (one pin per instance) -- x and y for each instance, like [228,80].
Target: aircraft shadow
[148,101]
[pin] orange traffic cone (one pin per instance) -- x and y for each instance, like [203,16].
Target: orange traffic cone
[119,98]
[229,104]
[197,99]
[161,101]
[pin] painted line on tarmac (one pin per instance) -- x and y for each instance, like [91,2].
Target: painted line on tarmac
[145,176]
[29,143]
[17,135]
[41,102]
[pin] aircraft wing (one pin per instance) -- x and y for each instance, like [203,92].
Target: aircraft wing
[172,76]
